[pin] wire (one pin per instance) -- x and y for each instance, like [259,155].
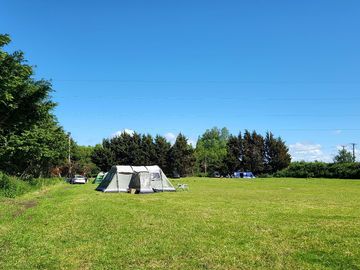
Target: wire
[203,81]
[335,99]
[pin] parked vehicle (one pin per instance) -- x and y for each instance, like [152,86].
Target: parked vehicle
[78,179]
[243,175]
[216,175]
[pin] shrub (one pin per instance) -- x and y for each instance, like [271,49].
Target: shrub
[321,170]
[12,187]
[38,183]
[264,175]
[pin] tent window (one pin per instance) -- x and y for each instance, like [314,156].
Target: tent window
[155,176]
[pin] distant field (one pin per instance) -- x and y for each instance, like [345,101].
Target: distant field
[218,224]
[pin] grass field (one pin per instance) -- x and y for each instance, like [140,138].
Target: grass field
[218,224]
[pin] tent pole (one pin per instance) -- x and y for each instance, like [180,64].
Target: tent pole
[117,181]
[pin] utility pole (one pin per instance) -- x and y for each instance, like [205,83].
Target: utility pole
[69,157]
[353,149]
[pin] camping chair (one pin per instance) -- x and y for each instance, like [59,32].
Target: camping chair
[183,187]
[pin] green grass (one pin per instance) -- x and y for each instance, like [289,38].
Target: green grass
[218,224]
[12,186]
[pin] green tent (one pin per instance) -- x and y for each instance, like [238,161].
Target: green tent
[99,178]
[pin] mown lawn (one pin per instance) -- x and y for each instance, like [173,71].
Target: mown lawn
[218,224]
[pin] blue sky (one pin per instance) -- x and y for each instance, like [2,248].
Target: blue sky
[161,67]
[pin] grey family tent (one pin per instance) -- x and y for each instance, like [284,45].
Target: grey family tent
[144,179]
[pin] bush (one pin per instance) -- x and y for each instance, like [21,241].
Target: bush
[12,187]
[38,183]
[263,175]
[321,170]
[201,174]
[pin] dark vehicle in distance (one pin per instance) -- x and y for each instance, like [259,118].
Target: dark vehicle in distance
[243,175]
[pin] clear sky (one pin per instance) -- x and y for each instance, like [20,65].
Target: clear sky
[161,67]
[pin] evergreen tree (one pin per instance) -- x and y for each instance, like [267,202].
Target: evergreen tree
[103,157]
[132,149]
[233,156]
[181,156]
[162,150]
[253,158]
[136,152]
[258,152]
[148,150]
[120,147]
[277,155]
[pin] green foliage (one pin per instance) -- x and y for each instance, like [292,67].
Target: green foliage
[34,151]
[234,153]
[344,156]
[148,149]
[122,149]
[181,157]
[253,152]
[276,155]
[102,156]
[11,186]
[216,150]
[81,160]
[31,141]
[321,170]
[162,152]
[23,100]
[211,150]
[137,149]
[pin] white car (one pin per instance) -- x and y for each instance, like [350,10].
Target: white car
[78,179]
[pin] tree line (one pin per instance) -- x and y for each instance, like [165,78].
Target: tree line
[216,151]
[136,149]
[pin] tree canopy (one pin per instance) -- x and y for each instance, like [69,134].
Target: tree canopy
[31,140]
[211,150]
[136,149]
[182,157]
[216,150]
[343,156]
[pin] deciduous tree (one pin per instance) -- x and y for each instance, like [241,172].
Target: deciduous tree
[31,141]
[343,156]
